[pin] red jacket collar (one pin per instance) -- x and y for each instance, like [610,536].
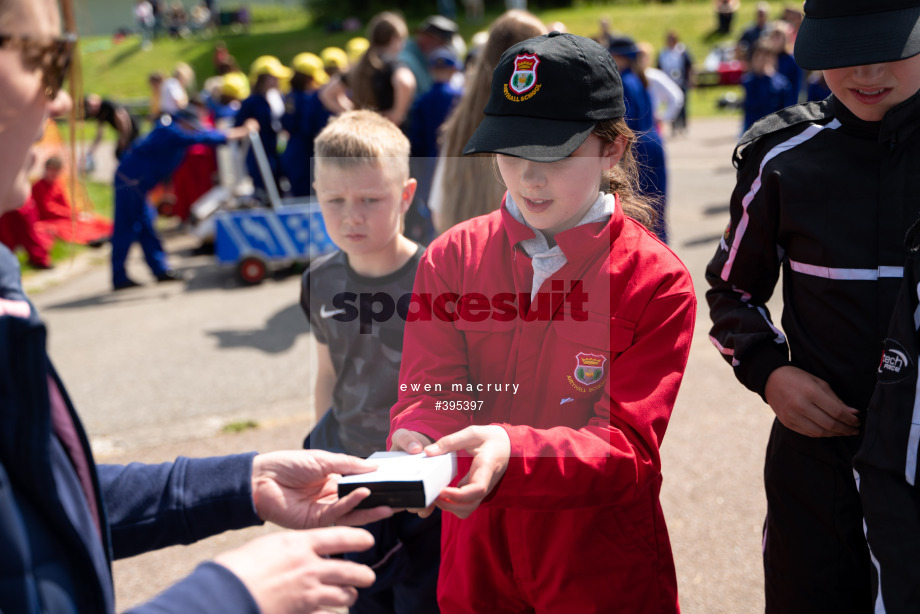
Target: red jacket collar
[576,243]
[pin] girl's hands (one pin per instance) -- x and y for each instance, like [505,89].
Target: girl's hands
[410,441]
[490,448]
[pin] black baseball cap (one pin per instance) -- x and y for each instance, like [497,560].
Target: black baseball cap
[623,45]
[840,33]
[548,93]
[439,26]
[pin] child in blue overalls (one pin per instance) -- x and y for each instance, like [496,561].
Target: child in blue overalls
[151,161]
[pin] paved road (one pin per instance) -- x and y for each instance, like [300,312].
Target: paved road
[158,371]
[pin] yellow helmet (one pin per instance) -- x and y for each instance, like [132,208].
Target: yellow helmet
[311,65]
[334,58]
[356,47]
[236,85]
[269,65]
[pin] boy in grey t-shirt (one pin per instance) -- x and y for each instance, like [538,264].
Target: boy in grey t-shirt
[364,189]
[364,352]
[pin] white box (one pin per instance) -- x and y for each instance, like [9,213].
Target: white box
[403,480]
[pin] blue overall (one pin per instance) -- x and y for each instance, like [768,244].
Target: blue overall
[648,148]
[303,122]
[257,107]
[151,161]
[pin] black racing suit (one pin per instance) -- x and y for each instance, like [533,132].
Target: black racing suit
[827,199]
[886,463]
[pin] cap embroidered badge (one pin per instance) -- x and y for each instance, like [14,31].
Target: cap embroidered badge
[524,78]
[547,95]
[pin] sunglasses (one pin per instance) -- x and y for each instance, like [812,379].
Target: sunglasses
[51,55]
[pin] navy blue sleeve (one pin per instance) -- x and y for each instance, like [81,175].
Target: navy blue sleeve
[154,506]
[244,113]
[293,113]
[210,588]
[175,137]
[417,125]
[290,122]
[209,137]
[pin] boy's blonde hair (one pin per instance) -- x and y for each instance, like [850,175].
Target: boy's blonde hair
[363,138]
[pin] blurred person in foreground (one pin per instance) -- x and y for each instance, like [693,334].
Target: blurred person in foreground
[63,519]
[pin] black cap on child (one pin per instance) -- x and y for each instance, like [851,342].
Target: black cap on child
[547,95]
[840,33]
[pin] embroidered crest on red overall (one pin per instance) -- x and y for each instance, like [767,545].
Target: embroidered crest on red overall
[590,368]
[524,77]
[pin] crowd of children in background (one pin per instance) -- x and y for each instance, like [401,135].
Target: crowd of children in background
[155,18]
[772,79]
[417,80]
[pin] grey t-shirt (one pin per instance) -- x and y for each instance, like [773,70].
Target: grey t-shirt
[347,312]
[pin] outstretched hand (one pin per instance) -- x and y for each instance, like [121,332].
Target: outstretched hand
[490,448]
[299,489]
[807,405]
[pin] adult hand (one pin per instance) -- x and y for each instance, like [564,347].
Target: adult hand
[251,125]
[490,447]
[807,405]
[286,572]
[299,489]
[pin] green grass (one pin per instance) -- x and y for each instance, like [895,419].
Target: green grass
[239,426]
[100,194]
[120,70]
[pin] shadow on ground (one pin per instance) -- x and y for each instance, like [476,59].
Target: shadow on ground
[278,335]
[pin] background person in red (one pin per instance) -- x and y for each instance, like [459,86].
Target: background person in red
[19,228]
[558,508]
[55,210]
